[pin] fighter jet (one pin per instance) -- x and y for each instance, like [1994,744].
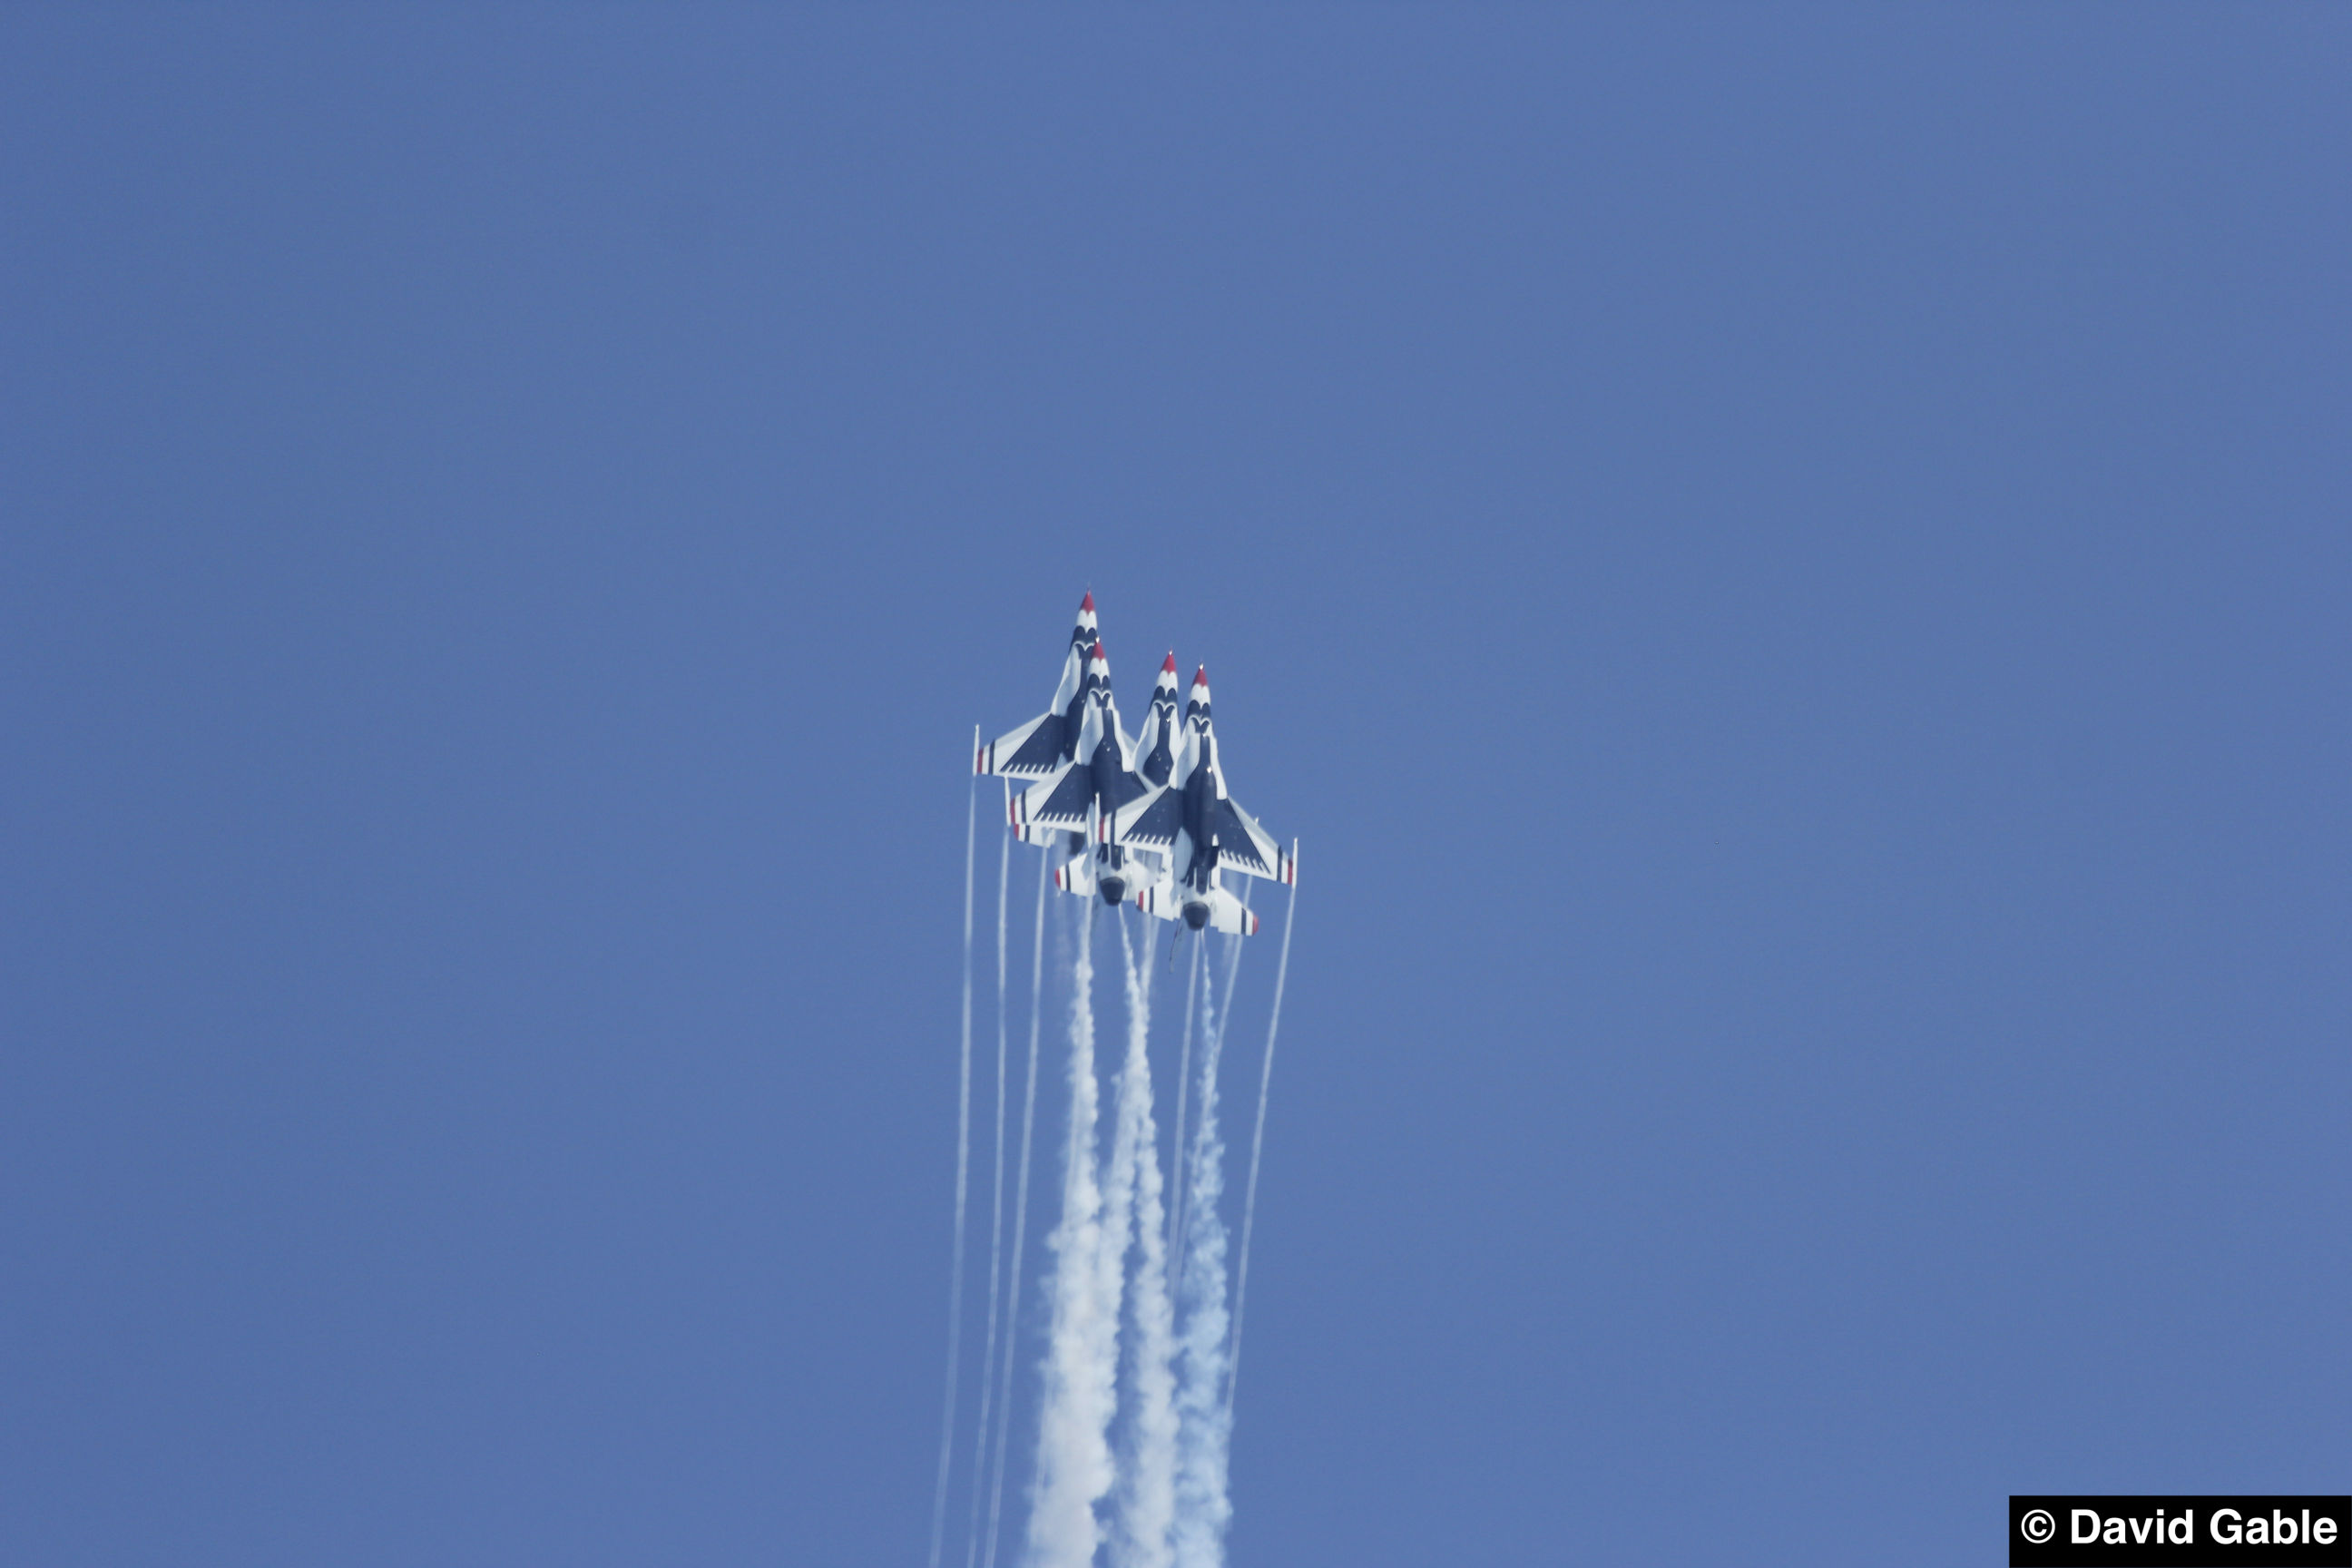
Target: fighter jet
[1050,739]
[1203,832]
[1083,796]
[1153,750]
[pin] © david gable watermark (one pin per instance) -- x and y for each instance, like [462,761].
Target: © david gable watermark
[2153,1532]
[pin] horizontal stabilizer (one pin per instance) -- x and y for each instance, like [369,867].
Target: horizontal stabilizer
[1226,913]
[1084,872]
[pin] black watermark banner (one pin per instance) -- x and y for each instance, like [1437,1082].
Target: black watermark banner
[2186,1531]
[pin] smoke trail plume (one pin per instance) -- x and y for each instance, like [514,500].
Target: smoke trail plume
[963,1165]
[1074,1464]
[1203,1421]
[1235,947]
[1146,1500]
[1257,1147]
[995,1220]
[1020,1218]
[1118,1230]
[1176,1137]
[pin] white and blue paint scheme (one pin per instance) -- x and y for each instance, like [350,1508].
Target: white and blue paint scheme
[1193,820]
[1146,819]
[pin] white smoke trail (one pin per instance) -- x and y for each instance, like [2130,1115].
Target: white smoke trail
[1203,1421]
[963,1165]
[995,1219]
[1232,975]
[1146,1502]
[1176,1136]
[1117,1194]
[1074,1464]
[1257,1147]
[1020,1218]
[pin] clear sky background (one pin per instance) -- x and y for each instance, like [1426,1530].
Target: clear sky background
[1789,569]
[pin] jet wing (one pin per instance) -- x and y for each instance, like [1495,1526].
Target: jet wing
[1031,752]
[1043,837]
[1129,789]
[1062,802]
[1151,820]
[1154,823]
[1243,846]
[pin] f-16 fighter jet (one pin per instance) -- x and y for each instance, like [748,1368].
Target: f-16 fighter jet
[1197,824]
[1154,758]
[1082,797]
[1048,741]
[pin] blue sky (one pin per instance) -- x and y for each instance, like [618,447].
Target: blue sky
[1788,570]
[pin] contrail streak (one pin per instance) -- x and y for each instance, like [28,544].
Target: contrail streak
[1257,1147]
[995,1219]
[1020,1217]
[1202,1420]
[963,1165]
[1074,1464]
[1146,1502]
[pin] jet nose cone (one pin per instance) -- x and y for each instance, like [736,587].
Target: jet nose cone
[1087,604]
[1169,665]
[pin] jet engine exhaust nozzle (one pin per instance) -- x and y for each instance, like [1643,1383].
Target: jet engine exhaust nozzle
[1113,889]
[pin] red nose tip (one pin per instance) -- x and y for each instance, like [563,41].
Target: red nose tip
[1171,666]
[1087,604]
[1201,675]
[1098,651]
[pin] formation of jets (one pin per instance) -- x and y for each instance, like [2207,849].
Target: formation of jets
[1145,820]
